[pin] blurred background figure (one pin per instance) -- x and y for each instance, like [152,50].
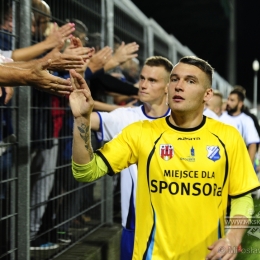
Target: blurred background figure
[215,103]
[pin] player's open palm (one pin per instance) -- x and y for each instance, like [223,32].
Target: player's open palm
[81,101]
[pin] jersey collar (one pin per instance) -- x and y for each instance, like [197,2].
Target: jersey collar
[186,129]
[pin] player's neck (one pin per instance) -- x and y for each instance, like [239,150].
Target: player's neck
[186,120]
[155,110]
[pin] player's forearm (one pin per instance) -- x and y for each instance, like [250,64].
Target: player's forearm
[240,216]
[82,151]
[237,230]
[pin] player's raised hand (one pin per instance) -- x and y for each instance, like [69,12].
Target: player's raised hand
[81,101]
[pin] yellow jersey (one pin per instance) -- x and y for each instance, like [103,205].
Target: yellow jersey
[184,179]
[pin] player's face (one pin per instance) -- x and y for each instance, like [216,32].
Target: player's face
[232,104]
[187,89]
[153,84]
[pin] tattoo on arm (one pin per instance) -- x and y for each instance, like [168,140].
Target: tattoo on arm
[85,135]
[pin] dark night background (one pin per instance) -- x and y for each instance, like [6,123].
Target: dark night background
[203,26]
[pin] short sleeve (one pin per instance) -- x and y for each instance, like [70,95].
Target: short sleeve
[123,150]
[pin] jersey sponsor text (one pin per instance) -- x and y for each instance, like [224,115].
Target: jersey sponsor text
[186,188]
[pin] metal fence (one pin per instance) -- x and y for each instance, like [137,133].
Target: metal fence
[40,202]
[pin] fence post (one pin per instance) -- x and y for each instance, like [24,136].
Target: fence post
[110,22]
[108,181]
[23,133]
[150,40]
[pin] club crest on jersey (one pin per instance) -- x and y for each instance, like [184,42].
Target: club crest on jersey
[166,151]
[213,152]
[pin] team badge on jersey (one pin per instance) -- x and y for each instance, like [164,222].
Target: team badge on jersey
[213,153]
[166,151]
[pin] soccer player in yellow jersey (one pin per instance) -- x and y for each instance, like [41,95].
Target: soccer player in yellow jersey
[188,165]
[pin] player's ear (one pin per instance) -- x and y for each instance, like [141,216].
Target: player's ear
[208,94]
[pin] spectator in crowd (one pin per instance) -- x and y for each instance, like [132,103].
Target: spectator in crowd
[44,146]
[54,39]
[44,140]
[131,70]
[245,125]
[58,36]
[94,40]
[129,73]
[6,128]
[117,70]
[35,69]
[7,139]
[59,211]
[182,166]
